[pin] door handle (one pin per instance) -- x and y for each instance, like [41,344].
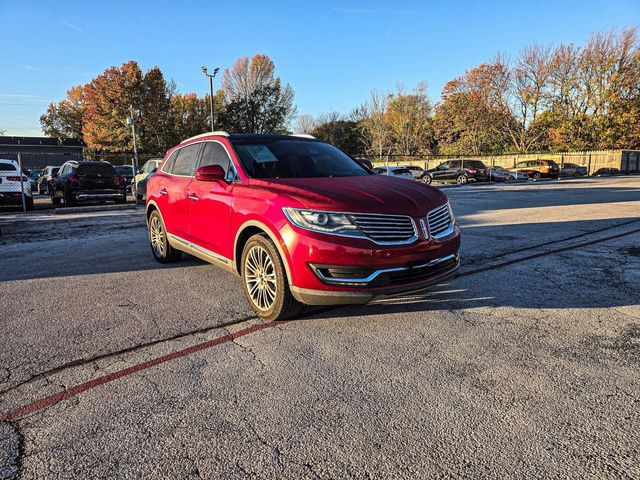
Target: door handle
[163,191]
[193,196]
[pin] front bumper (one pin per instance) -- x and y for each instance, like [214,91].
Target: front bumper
[326,297]
[318,263]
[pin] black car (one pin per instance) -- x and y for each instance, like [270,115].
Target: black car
[88,182]
[459,171]
[45,179]
[126,171]
[34,175]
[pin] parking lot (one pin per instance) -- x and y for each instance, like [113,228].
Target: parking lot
[526,365]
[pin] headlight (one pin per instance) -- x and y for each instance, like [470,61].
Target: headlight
[324,222]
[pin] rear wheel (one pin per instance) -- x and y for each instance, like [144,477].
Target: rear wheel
[537,176]
[68,200]
[162,250]
[264,281]
[426,179]
[462,179]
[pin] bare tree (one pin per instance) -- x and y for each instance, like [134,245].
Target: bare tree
[375,127]
[305,124]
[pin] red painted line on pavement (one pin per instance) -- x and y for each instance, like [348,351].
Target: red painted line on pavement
[543,254]
[83,387]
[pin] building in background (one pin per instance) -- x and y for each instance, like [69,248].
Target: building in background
[39,152]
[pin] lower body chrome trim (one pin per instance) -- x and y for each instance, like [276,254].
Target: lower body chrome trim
[202,253]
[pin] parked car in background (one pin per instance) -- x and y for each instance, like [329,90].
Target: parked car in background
[33,176]
[606,171]
[459,171]
[300,221]
[141,187]
[149,167]
[537,169]
[13,183]
[572,170]
[364,162]
[126,171]
[45,179]
[88,182]
[400,172]
[416,171]
[499,174]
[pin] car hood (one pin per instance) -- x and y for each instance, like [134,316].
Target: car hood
[368,194]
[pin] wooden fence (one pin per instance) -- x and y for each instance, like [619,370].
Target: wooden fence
[627,161]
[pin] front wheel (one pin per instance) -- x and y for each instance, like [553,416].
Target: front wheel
[264,281]
[162,250]
[462,179]
[426,179]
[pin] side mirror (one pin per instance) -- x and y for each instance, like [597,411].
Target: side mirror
[210,173]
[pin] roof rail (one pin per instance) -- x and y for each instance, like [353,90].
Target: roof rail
[221,133]
[302,135]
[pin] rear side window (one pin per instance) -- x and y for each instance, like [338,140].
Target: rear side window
[474,164]
[168,165]
[215,154]
[455,164]
[96,169]
[7,167]
[185,162]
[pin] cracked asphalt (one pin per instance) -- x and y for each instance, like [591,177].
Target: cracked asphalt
[527,369]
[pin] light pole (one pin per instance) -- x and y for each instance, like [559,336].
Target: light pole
[131,121]
[211,77]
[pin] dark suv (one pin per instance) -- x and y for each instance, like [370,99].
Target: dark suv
[88,181]
[459,171]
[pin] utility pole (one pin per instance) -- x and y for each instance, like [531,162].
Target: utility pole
[211,77]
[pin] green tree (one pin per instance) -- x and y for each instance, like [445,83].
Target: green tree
[344,134]
[256,101]
[64,119]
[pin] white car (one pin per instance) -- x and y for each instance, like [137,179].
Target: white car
[11,186]
[147,169]
[400,172]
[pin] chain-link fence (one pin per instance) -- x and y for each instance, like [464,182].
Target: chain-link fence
[42,180]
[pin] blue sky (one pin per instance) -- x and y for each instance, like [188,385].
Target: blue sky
[332,53]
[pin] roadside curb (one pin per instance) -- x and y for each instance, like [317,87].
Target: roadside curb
[96,208]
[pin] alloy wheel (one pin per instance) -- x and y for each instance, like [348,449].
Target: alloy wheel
[156,235]
[260,278]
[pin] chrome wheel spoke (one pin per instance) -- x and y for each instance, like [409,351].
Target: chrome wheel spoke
[260,278]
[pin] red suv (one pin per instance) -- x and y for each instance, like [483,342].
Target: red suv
[300,221]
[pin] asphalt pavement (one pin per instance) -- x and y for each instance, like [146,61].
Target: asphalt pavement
[526,366]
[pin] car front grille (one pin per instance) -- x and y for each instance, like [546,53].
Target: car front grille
[439,221]
[386,229]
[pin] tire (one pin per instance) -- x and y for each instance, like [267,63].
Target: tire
[55,200]
[28,202]
[263,272]
[68,200]
[537,176]
[576,175]
[462,179]
[426,179]
[162,250]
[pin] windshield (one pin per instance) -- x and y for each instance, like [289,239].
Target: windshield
[284,158]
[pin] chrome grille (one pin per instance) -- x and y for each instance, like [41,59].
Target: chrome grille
[439,221]
[386,229]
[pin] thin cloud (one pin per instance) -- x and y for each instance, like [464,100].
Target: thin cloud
[17,95]
[72,26]
[364,11]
